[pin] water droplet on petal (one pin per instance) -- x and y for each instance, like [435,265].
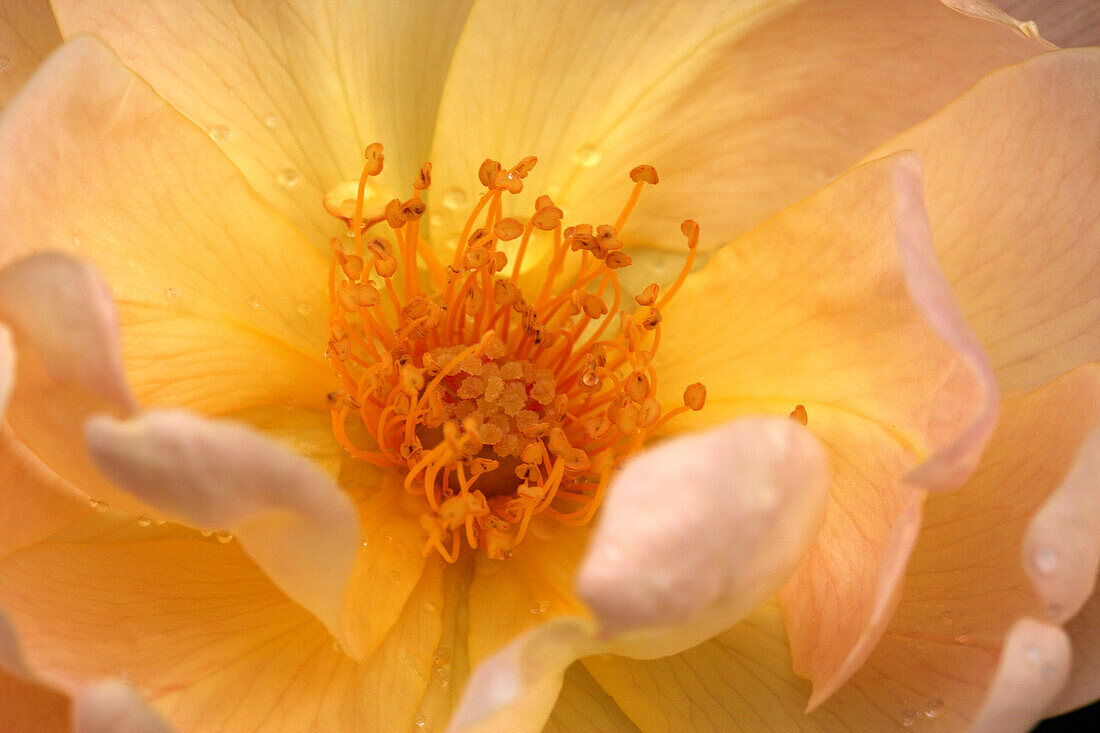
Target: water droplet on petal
[442,656]
[1046,559]
[591,379]
[224,537]
[421,721]
[254,302]
[908,717]
[288,178]
[99,506]
[5,63]
[587,156]
[429,607]
[538,608]
[271,121]
[454,198]
[219,133]
[302,308]
[144,521]
[171,293]
[206,532]
[933,707]
[963,637]
[435,220]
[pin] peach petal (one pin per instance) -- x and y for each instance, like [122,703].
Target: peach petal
[11,655]
[114,706]
[29,706]
[959,448]
[7,366]
[28,33]
[688,531]
[1034,667]
[1061,552]
[1083,687]
[584,707]
[62,308]
[299,87]
[290,517]
[1012,232]
[1066,22]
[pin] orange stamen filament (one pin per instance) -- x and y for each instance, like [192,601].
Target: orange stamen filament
[498,410]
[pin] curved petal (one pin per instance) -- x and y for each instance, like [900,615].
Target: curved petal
[584,707]
[751,482]
[7,366]
[293,92]
[221,301]
[1016,234]
[1067,23]
[758,103]
[206,636]
[1083,687]
[28,33]
[114,706]
[988,10]
[838,304]
[298,525]
[1033,669]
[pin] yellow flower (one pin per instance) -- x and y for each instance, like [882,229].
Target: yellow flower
[292,513]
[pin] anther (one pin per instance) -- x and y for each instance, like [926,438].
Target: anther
[798,414]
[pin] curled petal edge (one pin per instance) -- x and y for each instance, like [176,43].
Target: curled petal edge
[216,475]
[744,484]
[985,10]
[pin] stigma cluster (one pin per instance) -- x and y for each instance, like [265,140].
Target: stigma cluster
[499,399]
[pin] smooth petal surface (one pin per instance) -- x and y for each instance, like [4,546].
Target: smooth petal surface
[1013,233]
[1083,687]
[760,478]
[758,104]
[298,525]
[1034,666]
[209,640]
[26,706]
[28,33]
[7,366]
[835,304]
[1067,22]
[113,706]
[292,92]
[584,707]
[221,301]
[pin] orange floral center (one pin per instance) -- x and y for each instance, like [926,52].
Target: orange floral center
[498,403]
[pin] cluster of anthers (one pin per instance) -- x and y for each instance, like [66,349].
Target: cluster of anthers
[497,404]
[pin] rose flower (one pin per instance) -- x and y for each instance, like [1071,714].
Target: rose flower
[564,365]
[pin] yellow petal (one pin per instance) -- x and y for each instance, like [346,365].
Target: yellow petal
[293,92]
[205,635]
[744,108]
[221,301]
[1014,233]
[28,33]
[1067,23]
[584,707]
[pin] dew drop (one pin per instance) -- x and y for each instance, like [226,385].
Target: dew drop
[538,608]
[271,121]
[587,156]
[288,178]
[908,717]
[206,532]
[160,522]
[219,133]
[963,637]
[254,302]
[144,521]
[1046,559]
[302,308]
[454,198]
[421,721]
[171,293]
[76,242]
[591,379]
[933,707]
[100,506]
[5,63]
[337,648]
[429,607]
[442,656]
[435,220]
[224,537]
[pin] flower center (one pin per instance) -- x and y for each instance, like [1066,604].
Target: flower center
[498,403]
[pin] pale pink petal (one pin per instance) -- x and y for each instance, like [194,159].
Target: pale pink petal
[695,533]
[958,450]
[1034,667]
[987,10]
[60,307]
[291,518]
[1061,552]
[1016,233]
[294,88]
[1065,22]
[114,706]
[28,33]
[1083,687]
[701,528]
